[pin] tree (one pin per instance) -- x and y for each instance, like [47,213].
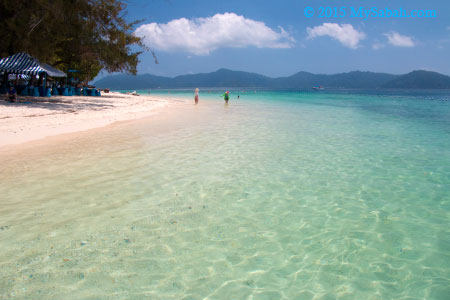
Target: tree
[86,35]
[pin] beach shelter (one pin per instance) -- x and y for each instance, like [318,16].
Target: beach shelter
[23,63]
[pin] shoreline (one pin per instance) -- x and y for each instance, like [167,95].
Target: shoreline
[35,120]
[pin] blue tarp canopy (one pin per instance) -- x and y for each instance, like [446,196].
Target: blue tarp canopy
[23,63]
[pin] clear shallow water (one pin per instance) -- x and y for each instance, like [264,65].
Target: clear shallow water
[280,195]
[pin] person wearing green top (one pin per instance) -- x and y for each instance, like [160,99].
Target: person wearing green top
[226,96]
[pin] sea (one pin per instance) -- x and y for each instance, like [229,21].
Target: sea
[287,194]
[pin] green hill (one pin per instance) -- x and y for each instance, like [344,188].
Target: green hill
[229,78]
[419,80]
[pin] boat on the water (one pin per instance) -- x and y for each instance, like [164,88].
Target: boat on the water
[318,87]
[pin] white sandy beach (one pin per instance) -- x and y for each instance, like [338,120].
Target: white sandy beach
[39,118]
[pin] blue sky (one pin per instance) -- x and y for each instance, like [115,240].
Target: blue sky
[274,38]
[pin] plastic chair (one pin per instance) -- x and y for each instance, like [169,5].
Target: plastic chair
[36,92]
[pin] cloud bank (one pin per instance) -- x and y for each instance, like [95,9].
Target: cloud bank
[396,39]
[345,33]
[200,36]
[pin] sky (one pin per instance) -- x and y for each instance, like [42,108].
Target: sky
[280,38]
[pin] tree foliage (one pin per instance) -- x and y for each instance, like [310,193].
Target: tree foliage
[86,35]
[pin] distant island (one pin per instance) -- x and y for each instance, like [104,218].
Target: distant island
[228,78]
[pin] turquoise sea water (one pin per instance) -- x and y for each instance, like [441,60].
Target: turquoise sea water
[279,195]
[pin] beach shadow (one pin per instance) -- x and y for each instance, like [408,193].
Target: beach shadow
[58,104]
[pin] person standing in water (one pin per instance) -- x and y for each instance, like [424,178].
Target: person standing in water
[226,96]
[196,96]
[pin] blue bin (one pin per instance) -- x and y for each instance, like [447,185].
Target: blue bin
[66,92]
[85,92]
[48,92]
[78,91]
[24,92]
[55,92]
[36,92]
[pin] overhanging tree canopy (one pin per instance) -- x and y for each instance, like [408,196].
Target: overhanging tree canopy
[86,35]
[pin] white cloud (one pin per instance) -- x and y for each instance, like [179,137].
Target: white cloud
[396,39]
[202,35]
[377,46]
[345,33]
